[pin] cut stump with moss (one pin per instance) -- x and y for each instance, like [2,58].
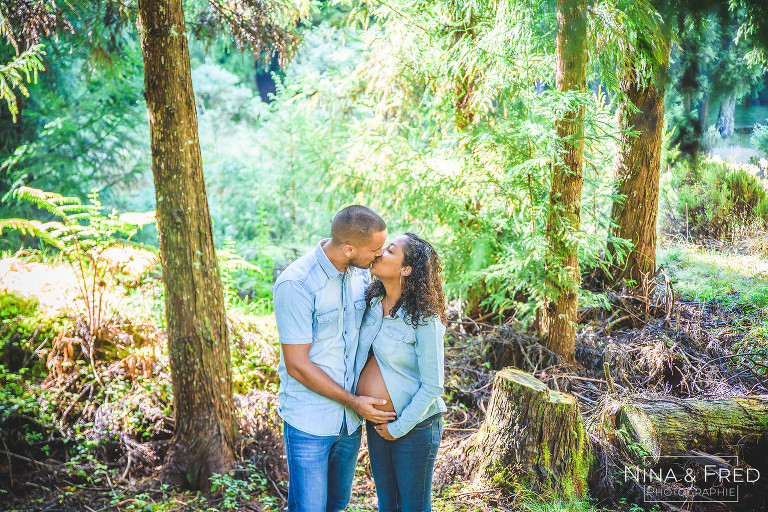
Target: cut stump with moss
[532,437]
[647,429]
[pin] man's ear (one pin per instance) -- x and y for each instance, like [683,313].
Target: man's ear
[348,250]
[406,271]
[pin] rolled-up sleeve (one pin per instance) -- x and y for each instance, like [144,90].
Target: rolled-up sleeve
[430,356]
[294,306]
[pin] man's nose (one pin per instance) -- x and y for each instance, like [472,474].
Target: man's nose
[379,252]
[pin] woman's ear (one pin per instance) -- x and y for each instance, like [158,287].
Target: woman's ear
[406,271]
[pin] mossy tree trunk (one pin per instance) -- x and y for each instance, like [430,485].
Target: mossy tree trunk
[197,333]
[638,166]
[532,437]
[647,428]
[559,317]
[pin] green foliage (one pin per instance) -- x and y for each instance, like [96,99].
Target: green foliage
[26,65]
[715,201]
[255,354]
[759,139]
[84,235]
[453,135]
[24,331]
[236,490]
[84,125]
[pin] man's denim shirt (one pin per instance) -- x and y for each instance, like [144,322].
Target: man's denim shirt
[411,362]
[315,303]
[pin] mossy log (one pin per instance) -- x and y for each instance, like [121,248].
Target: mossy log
[532,437]
[648,429]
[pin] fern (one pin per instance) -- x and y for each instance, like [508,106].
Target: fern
[53,203]
[83,236]
[34,228]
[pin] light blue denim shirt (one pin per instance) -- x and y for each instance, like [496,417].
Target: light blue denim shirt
[315,303]
[411,362]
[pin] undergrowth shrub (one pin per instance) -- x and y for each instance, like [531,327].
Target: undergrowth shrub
[759,139]
[715,201]
[24,330]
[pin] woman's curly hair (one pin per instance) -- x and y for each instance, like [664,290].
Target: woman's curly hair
[422,295]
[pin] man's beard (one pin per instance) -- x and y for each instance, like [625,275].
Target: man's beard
[360,264]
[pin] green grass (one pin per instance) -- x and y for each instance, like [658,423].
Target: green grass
[738,282]
[452,499]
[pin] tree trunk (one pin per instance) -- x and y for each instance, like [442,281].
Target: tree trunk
[531,437]
[689,135]
[726,117]
[638,165]
[702,123]
[197,333]
[655,428]
[559,317]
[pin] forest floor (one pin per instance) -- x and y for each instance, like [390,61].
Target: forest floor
[86,425]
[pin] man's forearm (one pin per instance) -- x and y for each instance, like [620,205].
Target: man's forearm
[311,376]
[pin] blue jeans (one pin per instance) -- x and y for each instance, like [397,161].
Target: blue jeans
[320,469]
[402,469]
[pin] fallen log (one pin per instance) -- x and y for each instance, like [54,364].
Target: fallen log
[647,429]
[531,437]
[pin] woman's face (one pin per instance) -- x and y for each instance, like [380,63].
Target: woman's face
[390,263]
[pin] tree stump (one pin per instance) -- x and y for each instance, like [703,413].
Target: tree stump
[647,428]
[531,437]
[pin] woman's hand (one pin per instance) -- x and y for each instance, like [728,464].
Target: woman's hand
[384,432]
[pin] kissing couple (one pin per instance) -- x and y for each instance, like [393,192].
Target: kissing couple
[361,325]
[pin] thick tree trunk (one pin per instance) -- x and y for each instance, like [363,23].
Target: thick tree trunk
[638,165]
[726,117]
[655,428]
[532,437]
[197,333]
[559,317]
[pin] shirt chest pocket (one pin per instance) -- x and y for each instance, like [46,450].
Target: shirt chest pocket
[359,312]
[325,325]
[394,340]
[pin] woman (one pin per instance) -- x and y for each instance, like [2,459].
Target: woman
[400,359]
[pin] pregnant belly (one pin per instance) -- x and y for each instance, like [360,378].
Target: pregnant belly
[371,383]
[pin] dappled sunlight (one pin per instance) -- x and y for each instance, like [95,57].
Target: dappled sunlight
[704,274]
[55,285]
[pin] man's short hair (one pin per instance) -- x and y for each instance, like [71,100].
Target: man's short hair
[355,225]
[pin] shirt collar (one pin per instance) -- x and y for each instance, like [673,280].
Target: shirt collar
[325,263]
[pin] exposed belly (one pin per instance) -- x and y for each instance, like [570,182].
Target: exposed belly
[371,383]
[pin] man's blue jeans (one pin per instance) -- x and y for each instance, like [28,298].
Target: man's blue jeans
[320,469]
[402,469]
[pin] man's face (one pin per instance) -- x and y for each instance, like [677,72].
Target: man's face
[362,256]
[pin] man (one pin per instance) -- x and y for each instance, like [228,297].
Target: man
[319,304]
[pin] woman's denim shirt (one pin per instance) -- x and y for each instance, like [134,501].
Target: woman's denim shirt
[411,362]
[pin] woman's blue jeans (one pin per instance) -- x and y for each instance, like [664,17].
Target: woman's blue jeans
[402,469]
[320,469]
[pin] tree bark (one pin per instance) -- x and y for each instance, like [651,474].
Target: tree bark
[726,117]
[559,316]
[197,333]
[531,437]
[638,166]
[654,428]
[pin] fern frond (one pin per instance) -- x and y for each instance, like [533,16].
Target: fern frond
[31,227]
[49,201]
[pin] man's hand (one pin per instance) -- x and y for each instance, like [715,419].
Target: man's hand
[364,406]
[383,431]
